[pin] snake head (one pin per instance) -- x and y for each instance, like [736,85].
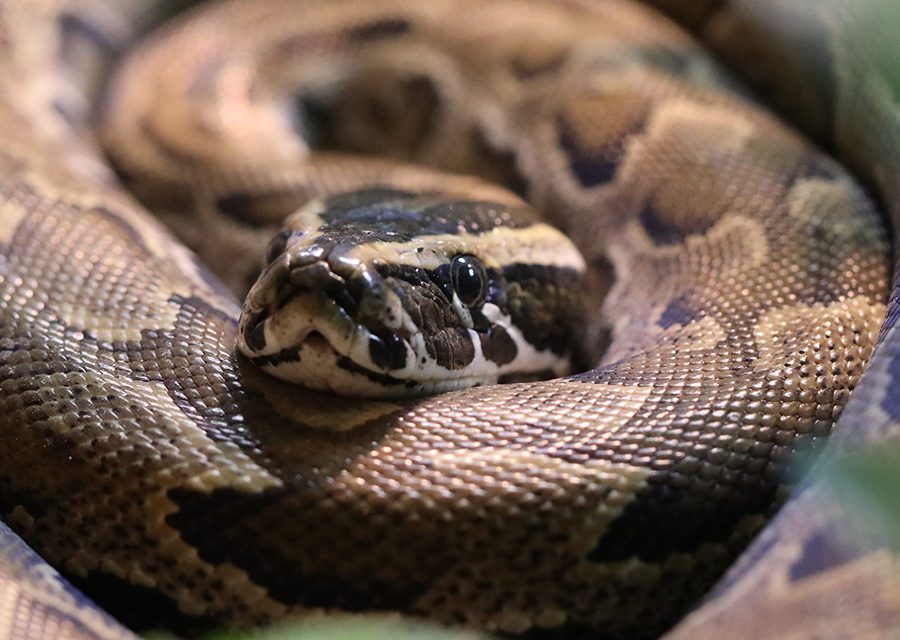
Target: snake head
[384,293]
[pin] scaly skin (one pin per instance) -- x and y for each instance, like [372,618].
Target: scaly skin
[750,279]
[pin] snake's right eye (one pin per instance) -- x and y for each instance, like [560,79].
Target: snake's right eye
[469,280]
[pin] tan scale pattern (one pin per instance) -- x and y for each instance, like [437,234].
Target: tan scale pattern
[824,567]
[750,277]
[35,601]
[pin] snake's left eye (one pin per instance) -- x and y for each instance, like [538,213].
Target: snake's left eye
[469,280]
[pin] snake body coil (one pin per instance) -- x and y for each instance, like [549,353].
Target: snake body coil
[737,276]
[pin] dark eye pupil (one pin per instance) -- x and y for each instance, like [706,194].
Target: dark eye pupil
[469,280]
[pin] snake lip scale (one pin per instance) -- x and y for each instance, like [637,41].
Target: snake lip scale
[448,194]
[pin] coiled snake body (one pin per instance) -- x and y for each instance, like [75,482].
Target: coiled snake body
[737,276]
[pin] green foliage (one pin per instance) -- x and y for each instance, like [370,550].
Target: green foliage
[867,481]
[352,628]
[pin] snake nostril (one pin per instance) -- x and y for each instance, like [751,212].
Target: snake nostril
[344,300]
[277,245]
[356,287]
[318,276]
[255,332]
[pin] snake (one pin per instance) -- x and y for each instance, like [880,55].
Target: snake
[730,289]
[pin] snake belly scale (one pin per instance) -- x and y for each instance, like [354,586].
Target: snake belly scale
[738,279]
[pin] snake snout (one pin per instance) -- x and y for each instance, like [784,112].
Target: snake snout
[314,311]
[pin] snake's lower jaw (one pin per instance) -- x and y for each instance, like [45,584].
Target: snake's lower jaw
[320,362]
[311,349]
[316,364]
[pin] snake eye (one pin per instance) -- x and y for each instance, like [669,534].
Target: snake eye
[469,280]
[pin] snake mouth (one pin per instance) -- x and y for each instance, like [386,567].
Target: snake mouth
[322,360]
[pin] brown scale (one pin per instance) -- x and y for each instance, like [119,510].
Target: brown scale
[744,306]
